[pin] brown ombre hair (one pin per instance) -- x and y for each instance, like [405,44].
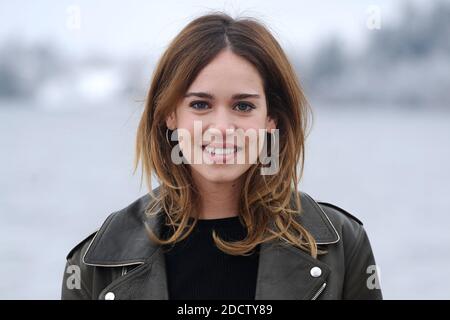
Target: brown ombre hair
[269,204]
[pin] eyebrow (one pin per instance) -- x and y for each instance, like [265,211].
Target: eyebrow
[236,96]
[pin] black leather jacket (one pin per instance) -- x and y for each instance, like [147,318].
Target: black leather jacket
[120,262]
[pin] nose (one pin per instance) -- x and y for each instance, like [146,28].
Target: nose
[222,121]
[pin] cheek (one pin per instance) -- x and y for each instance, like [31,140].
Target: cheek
[187,127]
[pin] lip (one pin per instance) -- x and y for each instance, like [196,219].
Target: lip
[224,145]
[221,158]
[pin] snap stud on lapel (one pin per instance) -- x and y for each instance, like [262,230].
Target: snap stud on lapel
[110,296]
[315,272]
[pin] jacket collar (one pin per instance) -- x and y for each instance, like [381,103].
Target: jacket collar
[122,239]
[284,272]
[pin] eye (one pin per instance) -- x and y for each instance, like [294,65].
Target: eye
[199,105]
[244,107]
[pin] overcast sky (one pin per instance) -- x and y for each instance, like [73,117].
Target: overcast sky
[124,28]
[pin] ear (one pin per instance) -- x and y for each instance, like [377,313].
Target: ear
[271,124]
[171,121]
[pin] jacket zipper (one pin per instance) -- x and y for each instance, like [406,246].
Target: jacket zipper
[320,291]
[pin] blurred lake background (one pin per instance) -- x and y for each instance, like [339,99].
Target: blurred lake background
[73,80]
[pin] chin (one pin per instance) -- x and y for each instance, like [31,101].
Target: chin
[220,173]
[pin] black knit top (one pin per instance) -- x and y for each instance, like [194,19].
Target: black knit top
[197,269]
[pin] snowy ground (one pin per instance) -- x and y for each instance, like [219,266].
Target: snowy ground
[63,172]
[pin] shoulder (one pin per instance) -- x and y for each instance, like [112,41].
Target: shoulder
[338,213]
[77,252]
[350,228]
[320,214]
[129,217]
[81,246]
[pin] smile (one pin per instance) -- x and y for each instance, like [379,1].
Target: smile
[217,153]
[220,151]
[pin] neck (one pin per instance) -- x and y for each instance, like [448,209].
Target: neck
[218,199]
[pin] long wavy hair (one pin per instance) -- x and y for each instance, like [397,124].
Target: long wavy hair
[269,204]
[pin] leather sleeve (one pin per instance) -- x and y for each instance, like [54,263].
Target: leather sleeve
[362,280]
[77,278]
[73,287]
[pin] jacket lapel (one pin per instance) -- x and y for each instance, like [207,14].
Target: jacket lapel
[288,273]
[146,282]
[284,272]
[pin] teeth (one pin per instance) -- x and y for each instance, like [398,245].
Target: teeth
[220,151]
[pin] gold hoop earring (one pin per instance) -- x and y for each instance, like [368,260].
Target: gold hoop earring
[172,134]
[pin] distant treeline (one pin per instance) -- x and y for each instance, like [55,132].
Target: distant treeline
[406,63]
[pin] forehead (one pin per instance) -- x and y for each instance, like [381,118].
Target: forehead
[228,72]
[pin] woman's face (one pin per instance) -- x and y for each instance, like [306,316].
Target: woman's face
[220,118]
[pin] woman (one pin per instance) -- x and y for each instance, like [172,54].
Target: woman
[227,220]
